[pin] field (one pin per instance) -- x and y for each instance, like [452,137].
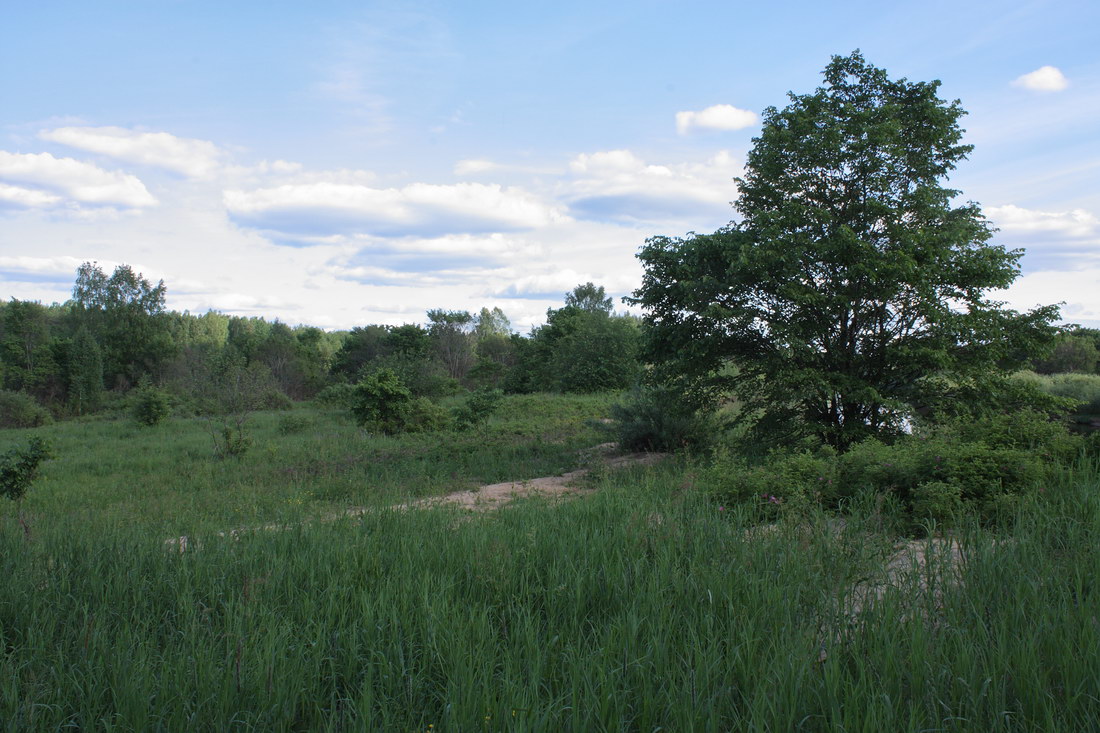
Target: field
[641,606]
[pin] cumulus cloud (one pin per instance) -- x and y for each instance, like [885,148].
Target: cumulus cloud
[1043,79]
[419,209]
[27,198]
[53,179]
[40,265]
[1076,223]
[718,117]
[617,185]
[186,156]
[553,284]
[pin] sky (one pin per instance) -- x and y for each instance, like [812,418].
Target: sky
[339,163]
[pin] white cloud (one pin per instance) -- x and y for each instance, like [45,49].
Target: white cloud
[186,156]
[717,117]
[617,185]
[1043,79]
[419,209]
[78,181]
[473,165]
[557,282]
[1076,288]
[26,197]
[39,266]
[1076,223]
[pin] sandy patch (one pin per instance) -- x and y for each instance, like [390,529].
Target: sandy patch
[483,498]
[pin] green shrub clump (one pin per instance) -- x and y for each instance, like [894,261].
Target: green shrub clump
[656,419]
[292,423]
[383,403]
[20,410]
[19,467]
[338,395]
[151,405]
[982,467]
[477,408]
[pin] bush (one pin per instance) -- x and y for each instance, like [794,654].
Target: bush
[276,399]
[978,466]
[421,415]
[336,395]
[1083,389]
[290,424]
[20,410]
[656,419]
[477,408]
[783,480]
[151,405]
[19,467]
[381,402]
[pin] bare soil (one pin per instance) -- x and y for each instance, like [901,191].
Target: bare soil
[487,497]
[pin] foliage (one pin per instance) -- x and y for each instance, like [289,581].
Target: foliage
[853,289]
[29,358]
[85,372]
[453,340]
[381,402]
[292,424]
[582,348]
[232,390]
[126,315]
[589,297]
[421,415]
[655,418]
[339,395]
[1082,389]
[599,354]
[1073,352]
[151,404]
[477,408]
[981,467]
[20,410]
[19,467]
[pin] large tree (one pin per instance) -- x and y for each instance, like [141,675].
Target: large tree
[854,291]
[126,315]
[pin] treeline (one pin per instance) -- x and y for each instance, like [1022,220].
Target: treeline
[116,335]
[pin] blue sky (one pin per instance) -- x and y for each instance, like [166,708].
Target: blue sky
[344,163]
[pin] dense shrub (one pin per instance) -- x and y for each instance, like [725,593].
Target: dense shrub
[292,423]
[979,466]
[20,410]
[151,405]
[336,395]
[656,419]
[783,480]
[1083,389]
[19,467]
[276,399]
[421,415]
[477,408]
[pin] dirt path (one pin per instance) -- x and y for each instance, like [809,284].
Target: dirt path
[483,498]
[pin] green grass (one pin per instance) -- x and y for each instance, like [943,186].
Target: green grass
[112,471]
[640,607]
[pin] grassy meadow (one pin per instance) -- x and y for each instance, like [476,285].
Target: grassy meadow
[643,606]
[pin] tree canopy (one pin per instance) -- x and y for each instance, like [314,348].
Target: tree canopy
[854,291]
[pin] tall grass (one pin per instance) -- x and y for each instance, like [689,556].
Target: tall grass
[302,463]
[641,607]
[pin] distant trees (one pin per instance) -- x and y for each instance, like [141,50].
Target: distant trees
[126,315]
[582,348]
[116,334]
[85,372]
[1074,351]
